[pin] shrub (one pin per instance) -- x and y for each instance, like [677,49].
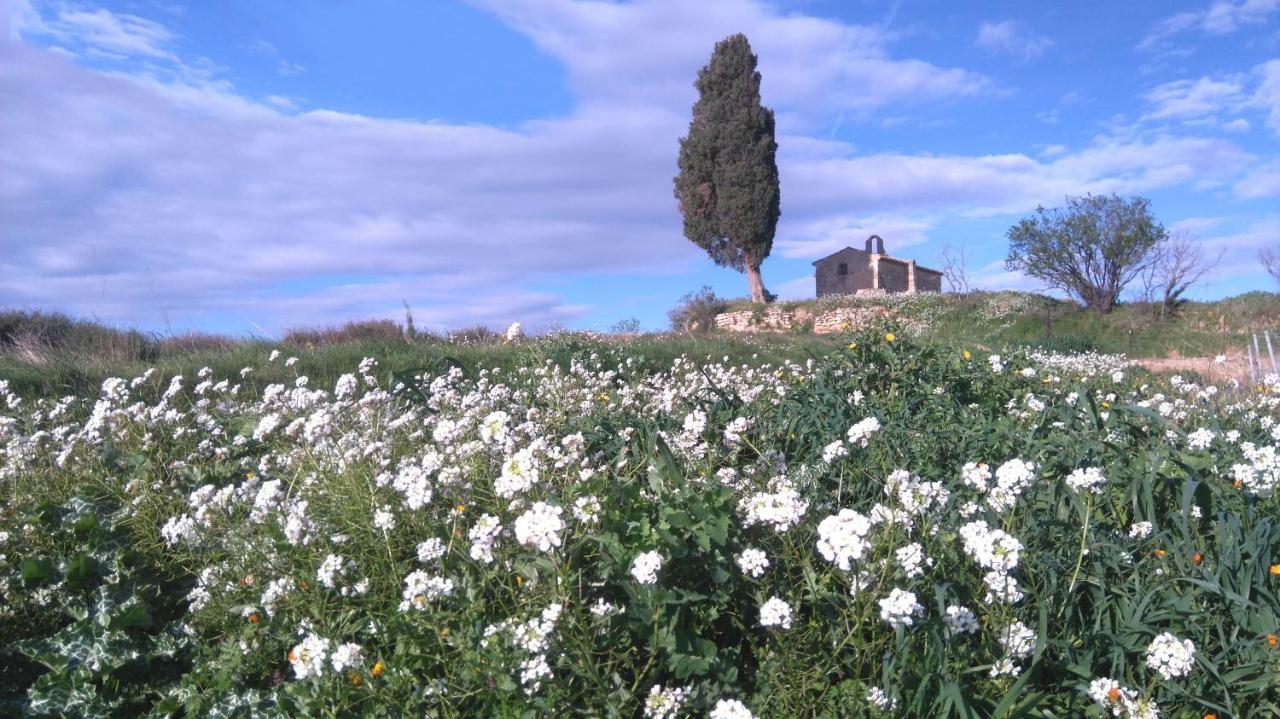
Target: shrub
[385,331]
[697,311]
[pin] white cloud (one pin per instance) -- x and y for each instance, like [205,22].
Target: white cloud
[823,236]
[1267,95]
[1012,39]
[289,69]
[100,32]
[811,66]
[1222,17]
[1193,99]
[1260,183]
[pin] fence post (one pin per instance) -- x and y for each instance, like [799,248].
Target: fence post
[1271,352]
[1253,376]
[1257,353]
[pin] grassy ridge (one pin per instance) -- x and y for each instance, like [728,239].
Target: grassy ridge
[43,354]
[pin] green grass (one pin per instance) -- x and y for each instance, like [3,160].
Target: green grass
[79,375]
[74,356]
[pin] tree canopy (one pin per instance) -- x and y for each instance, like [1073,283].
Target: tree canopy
[728,183]
[1091,248]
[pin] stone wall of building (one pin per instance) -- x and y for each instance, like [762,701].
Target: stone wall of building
[829,281]
[893,275]
[928,280]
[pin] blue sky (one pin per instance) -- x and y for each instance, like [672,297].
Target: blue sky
[250,166]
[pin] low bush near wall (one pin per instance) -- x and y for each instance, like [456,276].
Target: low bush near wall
[889,530]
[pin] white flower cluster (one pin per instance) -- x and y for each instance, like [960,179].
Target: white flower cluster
[532,639]
[1012,478]
[781,509]
[1200,440]
[917,497]
[421,587]
[540,526]
[1140,530]
[1171,657]
[960,620]
[483,536]
[877,698]
[730,709]
[1087,479]
[644,569]
[753,562]
[775,613]
[430,550]
[307,657]
[900,608]
[842,538]
[1259,474]
[665,702]
[997,551]
[860,433]
[1121,701]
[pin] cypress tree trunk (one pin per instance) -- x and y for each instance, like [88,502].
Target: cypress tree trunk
[755,284]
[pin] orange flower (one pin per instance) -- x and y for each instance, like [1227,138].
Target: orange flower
[1271,641]
[1210,716]
[355,679]
[293,656]
[1113,694]
[1275,570]
[254,618]
[1160,553]
[302,583]
[377,668]
[1196,558]
[1237,484]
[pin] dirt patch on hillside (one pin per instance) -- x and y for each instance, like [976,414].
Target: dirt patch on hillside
[1236,366]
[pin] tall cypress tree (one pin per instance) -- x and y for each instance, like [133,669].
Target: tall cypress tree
[728,181]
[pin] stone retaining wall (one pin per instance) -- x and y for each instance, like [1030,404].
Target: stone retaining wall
[777,319]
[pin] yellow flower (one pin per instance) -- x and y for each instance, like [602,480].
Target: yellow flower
[377,668]
[889,337]
[603,398]
[853,345]
[965,355]
[1160,553]
[1275,570]
[1106,405]
[355,679]
[460,509]
[519,581]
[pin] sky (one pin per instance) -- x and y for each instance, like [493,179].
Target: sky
[246,166]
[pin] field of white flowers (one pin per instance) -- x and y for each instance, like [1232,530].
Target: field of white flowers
[894,529]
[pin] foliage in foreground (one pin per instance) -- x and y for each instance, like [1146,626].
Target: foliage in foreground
[888,530]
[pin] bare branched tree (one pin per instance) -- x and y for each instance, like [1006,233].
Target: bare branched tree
[953,268]
[1270,259]
[1177,264]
